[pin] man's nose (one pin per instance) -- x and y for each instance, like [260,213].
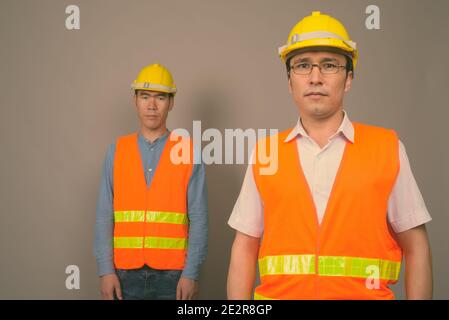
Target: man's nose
[152,103]
[315,76]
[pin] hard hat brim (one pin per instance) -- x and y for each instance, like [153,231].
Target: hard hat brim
[330,43]
[153,87]
[336,50]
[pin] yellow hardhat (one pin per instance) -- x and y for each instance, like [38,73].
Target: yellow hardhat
[154,77]
[319,30]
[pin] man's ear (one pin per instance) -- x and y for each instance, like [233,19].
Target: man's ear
[135,99]
[171,103]
[290,89]
[348,81]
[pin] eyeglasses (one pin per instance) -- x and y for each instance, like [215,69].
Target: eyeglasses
[305,68]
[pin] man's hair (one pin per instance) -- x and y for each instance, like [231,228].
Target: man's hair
[170,95]
[349,64]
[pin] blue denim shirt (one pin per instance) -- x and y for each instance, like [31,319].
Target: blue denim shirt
[197,209]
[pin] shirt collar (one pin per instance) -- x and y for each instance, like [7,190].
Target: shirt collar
[346,129]
[157,141]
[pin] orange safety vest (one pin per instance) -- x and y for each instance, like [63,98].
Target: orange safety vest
[351,254]
[150,223]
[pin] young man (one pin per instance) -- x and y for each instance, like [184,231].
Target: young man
[343,208]
[151,225]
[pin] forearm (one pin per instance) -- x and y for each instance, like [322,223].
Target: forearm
[418,263]
[242,269]
[105,261]
[104,229]
[103,248]
[418,275]
[197,245]
[198,223]
[104,222]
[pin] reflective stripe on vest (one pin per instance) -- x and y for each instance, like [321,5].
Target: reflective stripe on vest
[288,264]
[261,297]
[151,216]
[149,243]
[329,266]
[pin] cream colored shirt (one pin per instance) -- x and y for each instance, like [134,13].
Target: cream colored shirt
[406,207]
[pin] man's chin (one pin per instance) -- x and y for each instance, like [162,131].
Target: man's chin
[318,111]
[151,125]
[321,111]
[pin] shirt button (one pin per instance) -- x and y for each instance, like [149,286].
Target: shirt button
[150,169]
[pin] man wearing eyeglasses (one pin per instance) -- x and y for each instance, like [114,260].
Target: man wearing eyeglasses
[343,208]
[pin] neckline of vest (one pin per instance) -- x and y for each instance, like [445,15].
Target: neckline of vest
[335,184]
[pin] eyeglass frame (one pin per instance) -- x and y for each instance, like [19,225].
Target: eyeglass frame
[319,65]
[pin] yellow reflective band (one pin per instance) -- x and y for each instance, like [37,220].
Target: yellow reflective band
[261,297]
[359,267]
[129,216]
[288,264]
[330,266]
[165,243]
[128,242]
[167,217]
[149,243]
[151,216]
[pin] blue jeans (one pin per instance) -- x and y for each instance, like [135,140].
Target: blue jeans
[148,284]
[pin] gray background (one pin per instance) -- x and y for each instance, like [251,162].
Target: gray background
[65,96]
